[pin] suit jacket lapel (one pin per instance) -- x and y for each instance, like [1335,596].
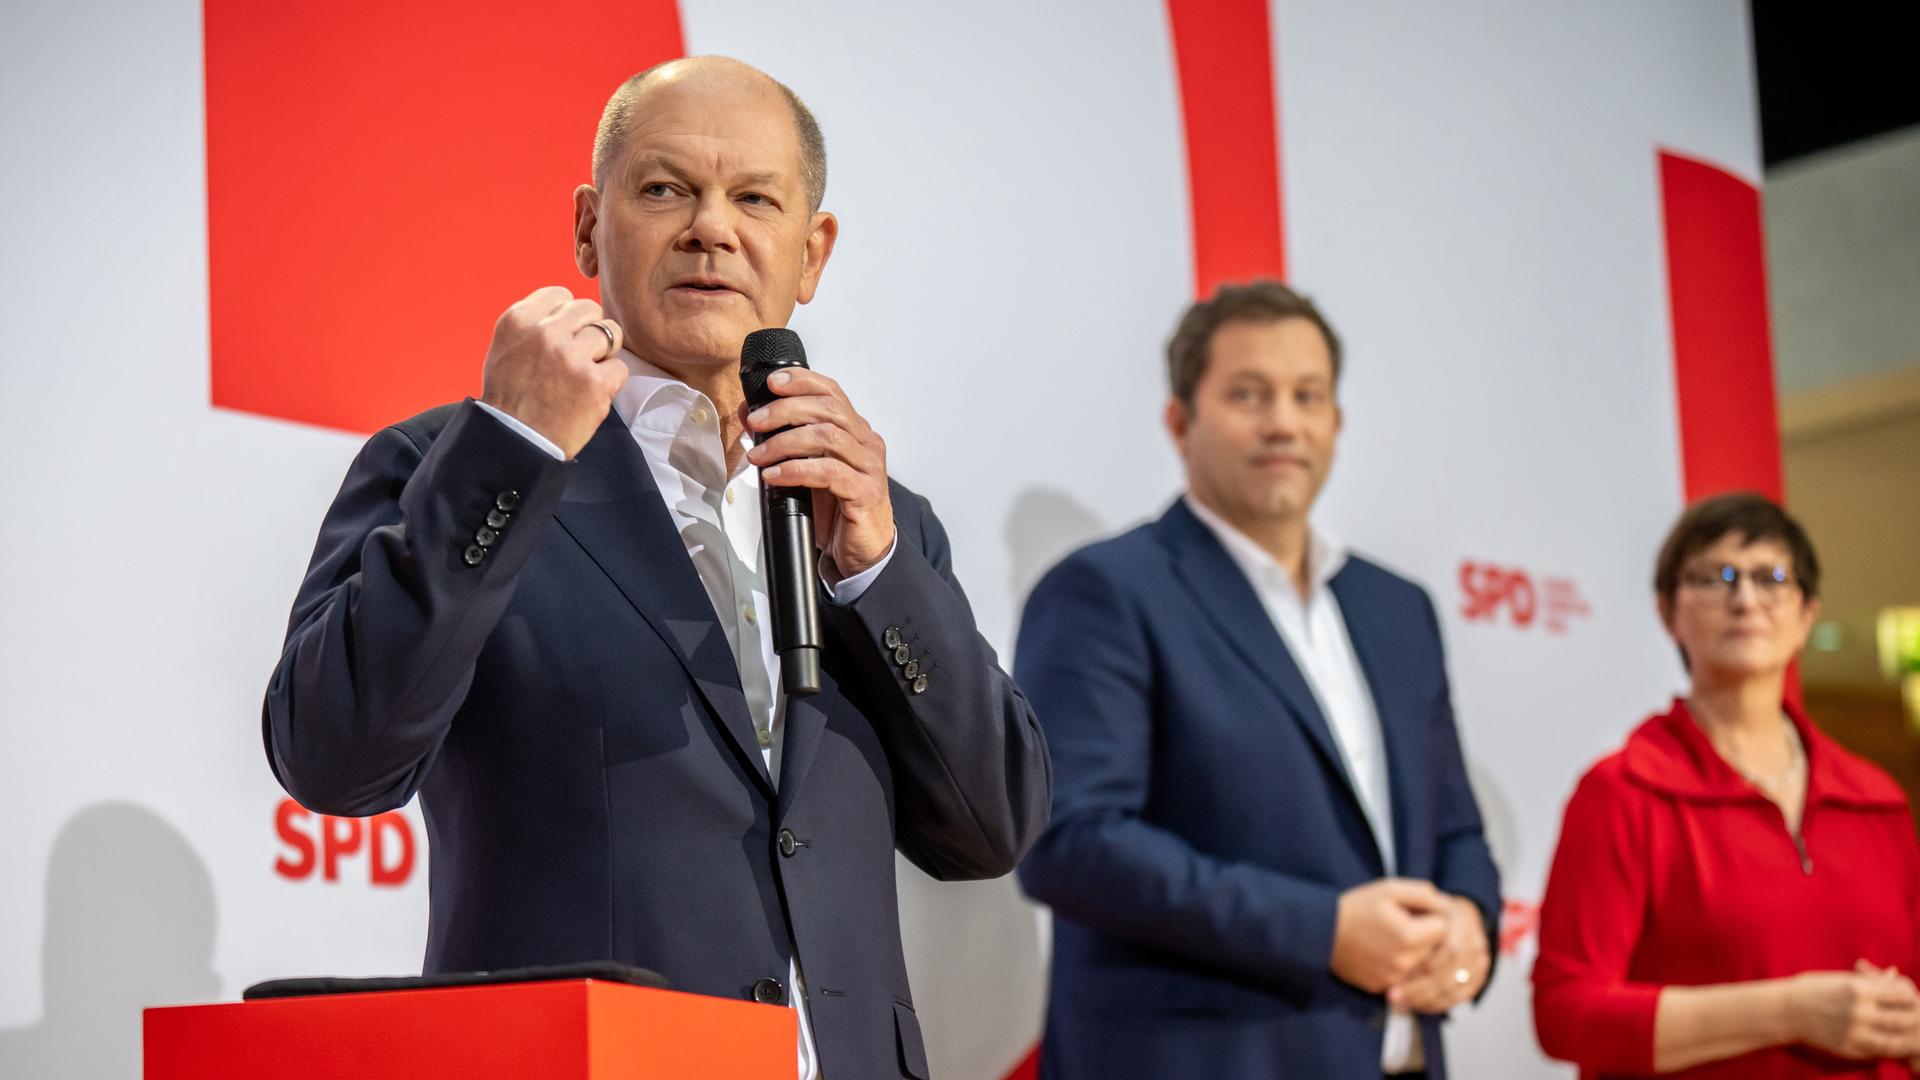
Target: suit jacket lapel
[1228,599]
[613,509]
[1402,729]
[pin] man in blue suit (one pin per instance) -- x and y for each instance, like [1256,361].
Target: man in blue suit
[1264,859]
[546,612]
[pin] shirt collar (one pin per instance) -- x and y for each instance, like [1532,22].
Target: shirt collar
[1325,554]
[673,423]
[652,400]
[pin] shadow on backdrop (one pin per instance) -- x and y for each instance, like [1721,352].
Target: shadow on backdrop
[129,923]
[1044,526]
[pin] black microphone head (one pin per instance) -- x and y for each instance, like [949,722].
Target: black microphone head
[763,353]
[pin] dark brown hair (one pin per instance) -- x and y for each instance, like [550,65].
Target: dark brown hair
[1262,300]
[1746,515]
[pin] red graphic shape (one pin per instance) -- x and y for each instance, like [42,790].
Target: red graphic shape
[1224,54]
[384,179]
[1722,355]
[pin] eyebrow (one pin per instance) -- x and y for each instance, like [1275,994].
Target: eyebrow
[664,164]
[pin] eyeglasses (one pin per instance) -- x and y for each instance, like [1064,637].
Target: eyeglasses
[1770,583]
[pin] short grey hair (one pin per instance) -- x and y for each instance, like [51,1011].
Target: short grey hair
[617,118]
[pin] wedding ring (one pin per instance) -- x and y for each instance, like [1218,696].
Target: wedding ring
[613,343]
[1463,976]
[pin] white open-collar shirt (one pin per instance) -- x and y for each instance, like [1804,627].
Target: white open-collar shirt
[717,513]
[1315,633]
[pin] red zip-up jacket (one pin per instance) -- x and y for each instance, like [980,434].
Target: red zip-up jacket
[1673,870]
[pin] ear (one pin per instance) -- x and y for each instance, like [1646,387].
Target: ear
[822,230]
[1178,417]
[1665,606]
[586,215]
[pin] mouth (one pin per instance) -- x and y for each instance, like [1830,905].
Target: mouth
[703,286]
[1278,462]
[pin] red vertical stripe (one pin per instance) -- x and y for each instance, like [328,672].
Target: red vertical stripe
[1223,51]
[1722,355]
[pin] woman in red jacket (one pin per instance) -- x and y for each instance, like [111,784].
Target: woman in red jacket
[1734,895]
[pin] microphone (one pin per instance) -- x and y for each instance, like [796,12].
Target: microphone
[786,526]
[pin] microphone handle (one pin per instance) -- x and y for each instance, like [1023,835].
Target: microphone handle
[793,586]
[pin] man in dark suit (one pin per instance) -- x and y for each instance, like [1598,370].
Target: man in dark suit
[1264,858]
[545,612]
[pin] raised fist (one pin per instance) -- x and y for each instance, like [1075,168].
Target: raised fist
[552,366]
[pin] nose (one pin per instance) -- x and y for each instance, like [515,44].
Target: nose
[1745,593]
[711,227]
[1281,423]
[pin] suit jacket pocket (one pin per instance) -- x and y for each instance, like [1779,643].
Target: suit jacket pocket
[913,1051]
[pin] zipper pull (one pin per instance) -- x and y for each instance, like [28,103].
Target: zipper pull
[1806,860]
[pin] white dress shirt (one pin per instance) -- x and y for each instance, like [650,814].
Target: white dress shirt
[718,516]
[1315,634]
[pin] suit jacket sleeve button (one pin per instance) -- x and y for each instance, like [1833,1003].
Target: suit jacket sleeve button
[912,670]
[474,554]
[485,537]
[788,843]
[901,654]
[506,500]
[920,685]
[892,637]
[497,519]
[769,992]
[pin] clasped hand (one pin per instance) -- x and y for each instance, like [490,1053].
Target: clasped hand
[1411,942]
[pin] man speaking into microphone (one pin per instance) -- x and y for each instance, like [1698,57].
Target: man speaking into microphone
[547,612]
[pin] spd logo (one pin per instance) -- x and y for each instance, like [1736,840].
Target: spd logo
[380,847]
[1500,593]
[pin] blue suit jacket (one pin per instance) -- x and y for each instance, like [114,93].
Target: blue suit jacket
[1203,823]
[569,709]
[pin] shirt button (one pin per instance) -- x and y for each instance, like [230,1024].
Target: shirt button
[729,496]
[699,416]
[769,992]
[764,737]
[752,616]
[788,843]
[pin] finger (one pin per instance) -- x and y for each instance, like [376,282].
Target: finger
[823,474]
[1426,931]
[1416,894]
[812,441]
[799,382]
[612,373]
[603,338]
[1892,994]
[574,314]
[810,409]
[1893,1025]
[545,300]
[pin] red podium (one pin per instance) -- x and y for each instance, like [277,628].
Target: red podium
[575,1030]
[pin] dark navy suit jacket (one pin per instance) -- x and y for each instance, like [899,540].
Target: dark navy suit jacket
[569,710]
[1203,822]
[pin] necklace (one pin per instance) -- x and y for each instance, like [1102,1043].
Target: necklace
[1780,782]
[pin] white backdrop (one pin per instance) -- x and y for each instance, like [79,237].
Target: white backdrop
[1470,193]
